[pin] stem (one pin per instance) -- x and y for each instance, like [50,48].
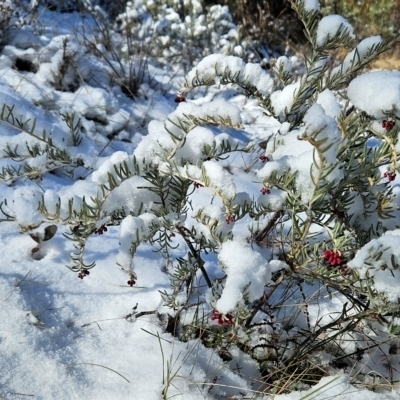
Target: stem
[261,301]
[352,318]
[271,224]
[195,254]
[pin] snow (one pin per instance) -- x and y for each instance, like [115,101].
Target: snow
[219,179]
[336,387]
[329,103]
[26,202]
[330,26]
[311,5]
[297,154]
[215,66]
[376,93]
[362,50]
[383,270]
[243,266]
[282,100]
[284,63]
[99,336]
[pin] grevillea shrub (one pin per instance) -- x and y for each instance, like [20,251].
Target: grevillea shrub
[258,238]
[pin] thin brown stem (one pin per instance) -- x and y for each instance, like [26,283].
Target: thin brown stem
[195,254]
[271,224]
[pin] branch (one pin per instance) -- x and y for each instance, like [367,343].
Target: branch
[195,254]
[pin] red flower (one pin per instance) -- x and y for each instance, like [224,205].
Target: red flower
[131,282]
[339,214]
[229,219]
[179,99]
[83,273]
[265,190]
[101,230]
[222,318]
[333,257]
[390,175]
[388,124]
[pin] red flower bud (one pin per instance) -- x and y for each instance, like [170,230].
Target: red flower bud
[179,99]
[333,257]
[390,175]
[388,124]
[265,190]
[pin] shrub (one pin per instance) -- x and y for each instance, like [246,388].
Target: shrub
[273,23]
[13,16]
[369,18]
[180,33]
[251,266]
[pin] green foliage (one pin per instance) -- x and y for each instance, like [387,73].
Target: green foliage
[368,17]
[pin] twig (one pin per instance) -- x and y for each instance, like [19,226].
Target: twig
[271,223]
[195,254]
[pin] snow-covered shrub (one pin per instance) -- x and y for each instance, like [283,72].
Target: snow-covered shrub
[180,32]
[123,53]
[13,15]
[270,22]
[256,237]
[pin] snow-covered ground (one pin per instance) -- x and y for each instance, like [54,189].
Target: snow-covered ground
[100,337]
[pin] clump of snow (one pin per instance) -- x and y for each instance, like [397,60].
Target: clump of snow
[51,199]
[156,145]
[282,100]
[311,5]
[380,260]
[214,66]
[188,113]
[81,101]
[193,149]
[101,175]
[323,128]
[329,103]
[132,231]
[220,179]
[331,26]
[274,200]
[357,55]
[284,64]
[130,196]
[26,207]
[214,223]
[243,265]
[74,195]
[258,77]
[377,93]
[296,154]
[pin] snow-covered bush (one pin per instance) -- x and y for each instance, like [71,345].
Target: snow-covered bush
[256,237]
[180,32]
[13,15]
